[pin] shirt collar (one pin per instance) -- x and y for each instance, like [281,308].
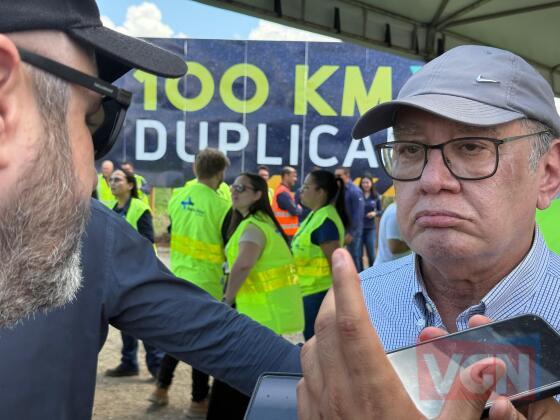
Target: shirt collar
[518,286]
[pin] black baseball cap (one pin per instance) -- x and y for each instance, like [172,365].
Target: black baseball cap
[79,19]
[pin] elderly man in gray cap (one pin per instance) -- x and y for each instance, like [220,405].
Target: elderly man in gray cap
[475,153]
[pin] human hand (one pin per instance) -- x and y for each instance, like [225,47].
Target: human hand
[502,408]
[348,376]
[370,215]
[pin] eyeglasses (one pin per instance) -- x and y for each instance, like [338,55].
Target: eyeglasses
[468,158]
[240,188]
[109,118]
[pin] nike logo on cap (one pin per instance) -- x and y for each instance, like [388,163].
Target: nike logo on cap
[481,79]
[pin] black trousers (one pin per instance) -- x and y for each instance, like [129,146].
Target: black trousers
[200,379]
[226,402]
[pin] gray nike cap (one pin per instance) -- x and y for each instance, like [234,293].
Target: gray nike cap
[474,85]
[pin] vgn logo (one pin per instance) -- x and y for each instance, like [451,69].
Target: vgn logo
[429,370]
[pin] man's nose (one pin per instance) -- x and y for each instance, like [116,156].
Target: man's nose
[436,175]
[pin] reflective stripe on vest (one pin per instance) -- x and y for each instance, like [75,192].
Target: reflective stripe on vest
[197,249]
[288,222]
[313,268]
[270,294]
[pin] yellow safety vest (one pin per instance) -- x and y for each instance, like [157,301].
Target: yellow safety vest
[270,295]
[223,189]
[140,180]
[197,213]
[104,193]
[313,268]
[548,221]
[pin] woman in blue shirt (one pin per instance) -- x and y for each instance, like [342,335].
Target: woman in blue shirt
[372,210]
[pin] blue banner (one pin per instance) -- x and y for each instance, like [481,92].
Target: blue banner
[260,102]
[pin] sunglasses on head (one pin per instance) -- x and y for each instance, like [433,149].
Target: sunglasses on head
[109,117]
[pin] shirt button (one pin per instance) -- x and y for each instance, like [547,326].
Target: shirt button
[421,323]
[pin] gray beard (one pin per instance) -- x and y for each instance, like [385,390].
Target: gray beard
[41,226]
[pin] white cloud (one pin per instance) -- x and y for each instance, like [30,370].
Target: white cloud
[269,31]
[143,20]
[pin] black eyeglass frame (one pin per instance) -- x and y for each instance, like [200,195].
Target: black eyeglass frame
[103,142]
[440,146]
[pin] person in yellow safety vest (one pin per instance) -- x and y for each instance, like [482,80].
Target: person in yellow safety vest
[548,221]
[103,189]
[262,282]
[284,205]
[138,215]
[144,188]
[223,189]
[264,173]
[198,215]
[319,235]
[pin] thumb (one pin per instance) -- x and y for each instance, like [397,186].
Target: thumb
[472,388]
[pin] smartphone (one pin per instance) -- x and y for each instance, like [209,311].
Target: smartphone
[274,397]
[529,346]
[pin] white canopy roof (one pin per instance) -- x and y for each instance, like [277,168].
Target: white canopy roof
[425,28]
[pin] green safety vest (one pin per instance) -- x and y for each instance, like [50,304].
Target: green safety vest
[104,193]
[223,189]
[548,221]
[135,211]
[197,213]
[313,268]
[270,295]
[140,180]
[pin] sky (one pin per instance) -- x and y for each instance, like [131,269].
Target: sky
[190,19]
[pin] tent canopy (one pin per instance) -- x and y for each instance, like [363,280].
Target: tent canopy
[423,29]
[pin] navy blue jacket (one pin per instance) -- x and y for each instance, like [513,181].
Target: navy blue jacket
[354,201]
[48,363]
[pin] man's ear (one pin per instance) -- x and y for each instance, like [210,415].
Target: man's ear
[10,77]
[549,169]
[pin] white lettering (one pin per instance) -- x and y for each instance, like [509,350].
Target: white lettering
[353,153]
[181,143]
[262,158]
[161,139]
[224,145]
[314,145]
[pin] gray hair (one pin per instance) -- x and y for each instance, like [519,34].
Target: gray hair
[540,143]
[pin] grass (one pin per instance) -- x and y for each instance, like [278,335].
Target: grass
[161,219]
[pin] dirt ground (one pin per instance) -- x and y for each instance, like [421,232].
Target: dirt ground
[127,398]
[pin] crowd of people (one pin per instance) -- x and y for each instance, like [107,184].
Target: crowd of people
[246,247]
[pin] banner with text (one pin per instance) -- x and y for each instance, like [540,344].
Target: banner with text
[262,103]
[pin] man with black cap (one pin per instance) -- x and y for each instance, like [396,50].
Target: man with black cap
[69,267]
[476,152]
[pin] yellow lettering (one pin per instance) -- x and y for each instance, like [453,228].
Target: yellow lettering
[355,90]
[150,89]
[244,105]
[306,87]
[199,101]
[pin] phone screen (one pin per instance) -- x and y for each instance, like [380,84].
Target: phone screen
[274,398]
[527,344]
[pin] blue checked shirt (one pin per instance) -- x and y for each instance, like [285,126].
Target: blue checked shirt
[399,306]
